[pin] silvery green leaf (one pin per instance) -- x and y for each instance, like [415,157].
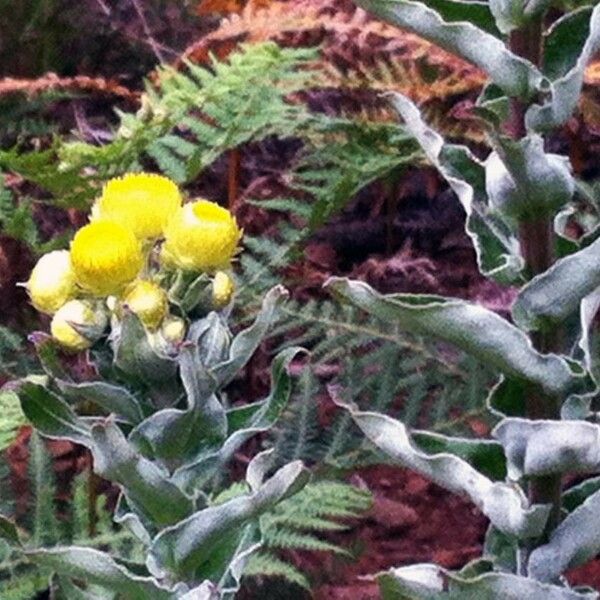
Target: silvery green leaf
[472,328]
[574,542]
[52,415]
[557,293]
[136,357]
[509,14]
[504,504]
[111,398]
[189,548]
[144,484]
[577,494]
[524,182]
[501,550]
[99,568]
[48,352]
[258,468]
[205,591]
[475,12]
[536,448]
[127,518]
[515,75]
[242,423]
[566,89]
[590,340]
[246,342]
[211,338]
[496,246]
[430,582]
[180,435]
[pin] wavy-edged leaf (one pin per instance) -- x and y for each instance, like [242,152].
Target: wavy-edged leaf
[189,548]
[557,293]
[471,328]
[565,90]
[52,415]
[430,582]
[575,541]
[243,423]
[93,566]
[515,75]
[536,448]
[497,248]
[111,398]
[504,504]
[144,484]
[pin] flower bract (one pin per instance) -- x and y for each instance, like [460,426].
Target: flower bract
[148,301]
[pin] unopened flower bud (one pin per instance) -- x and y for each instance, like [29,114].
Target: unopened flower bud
[52,282]
[222,289]
[77,325]
[148,301]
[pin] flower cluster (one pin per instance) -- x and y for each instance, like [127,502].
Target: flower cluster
[139,231]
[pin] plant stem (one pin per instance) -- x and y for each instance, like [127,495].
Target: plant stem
[536,238]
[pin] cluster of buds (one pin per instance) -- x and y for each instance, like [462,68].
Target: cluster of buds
[140,231]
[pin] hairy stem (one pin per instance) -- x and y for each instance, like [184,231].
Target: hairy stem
[537,246]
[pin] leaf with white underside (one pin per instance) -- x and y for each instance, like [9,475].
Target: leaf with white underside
[504,504]
[430,582]
[575,541]
[189,547]
[95,567]
[497,248]
[557,293]
[566,89]
[470,327]
[537,448]
[515,75]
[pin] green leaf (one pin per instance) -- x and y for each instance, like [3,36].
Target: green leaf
[565,91]
[135,356]
[556,294]
[8,531]
[243,423]
[145,485]
[12,417]
[577,494]
[574,542]
[515,75]
[111,398]
[430,582]
[99,568]
[52,415]
[497,248]
[564,40]
[537,448]
[471,328]
[504,504]
[246,342]
[188,547]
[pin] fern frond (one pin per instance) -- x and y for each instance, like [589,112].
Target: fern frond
[268,564]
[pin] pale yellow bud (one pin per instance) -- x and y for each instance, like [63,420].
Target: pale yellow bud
[148,301]
[77,325]
[52,282]
[173,329]
[222,289]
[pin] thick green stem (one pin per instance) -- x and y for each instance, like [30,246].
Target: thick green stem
[537,247]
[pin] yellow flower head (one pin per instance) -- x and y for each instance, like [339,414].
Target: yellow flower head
[148,301]
[105,257]
[201,236]
[72,320]
[52,282]
[222,289]
[142,202]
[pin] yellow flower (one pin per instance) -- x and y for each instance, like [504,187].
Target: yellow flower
[148,301]
[201,236]
[222,289]
[142,202]
[105,257]
[77,325]
[52,282]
